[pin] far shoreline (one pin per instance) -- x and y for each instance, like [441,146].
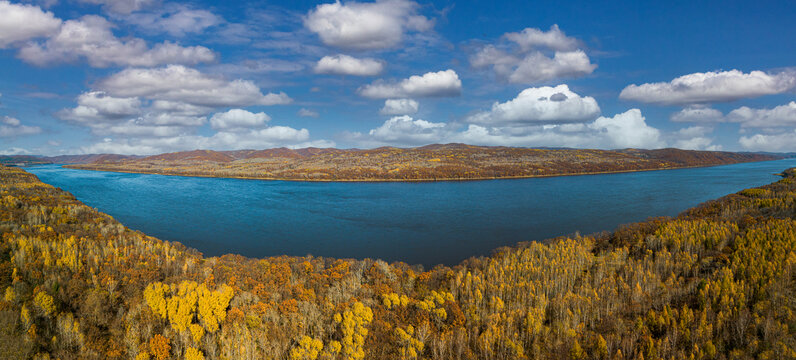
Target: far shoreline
[87,168]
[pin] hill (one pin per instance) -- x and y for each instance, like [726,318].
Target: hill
[431,162]
[22,160]
[28,160]
[717,282]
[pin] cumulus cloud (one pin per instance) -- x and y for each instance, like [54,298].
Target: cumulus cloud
[12,127]
[785,141]
[403,131]
[554,38]
[695,138]
[186,85]
[399,107]
[697,114]
[97,106]
[628,129]
[348,65]
[710,87]
[307,113]
[625,130]
[175,20]
[537,67]
[275,136]
[237,119]
[15,151]
[780,116]
[121,6]
[431,84]
[534,56]
[20,23]
[91,38]
[541,105]
[355,25]
[108,115]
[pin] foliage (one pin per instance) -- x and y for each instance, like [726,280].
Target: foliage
[431,162]
[716,282]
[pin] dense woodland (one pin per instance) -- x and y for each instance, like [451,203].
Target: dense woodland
[717,282]
[431,162]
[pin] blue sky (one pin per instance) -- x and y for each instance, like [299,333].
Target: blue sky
[150,76]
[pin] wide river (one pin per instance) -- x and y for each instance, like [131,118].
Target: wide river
[419,222]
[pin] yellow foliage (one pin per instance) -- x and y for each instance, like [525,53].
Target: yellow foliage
[45,302]
[307,349]
[154,294]
[10,294]
[197,331]
[194,354]
[188,300]
[353,326]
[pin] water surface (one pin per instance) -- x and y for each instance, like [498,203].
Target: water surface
[417,222]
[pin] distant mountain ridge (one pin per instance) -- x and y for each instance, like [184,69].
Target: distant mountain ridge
[27,160]
[430,162]
[683,157]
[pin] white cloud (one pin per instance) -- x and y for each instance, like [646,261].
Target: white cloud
[441,83]
[97,106]
[176,107]
[399,107]
[121,6]
[108,115]
[785,141]
[780,116]
[186,85]
[537,67]
[12,127]
[628,130]
[162,109]
[175,20]
[238,119]
[91,38]
[355,25]
[554,39]
[270,137]
[307,113]
[710,87]
[15,151]
[695,138]
[406,130]
[20,23]
[541,105]
[534,56]
[624,130]
[348,65]
[697,114]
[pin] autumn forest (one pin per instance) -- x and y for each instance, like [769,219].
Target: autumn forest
[716,282]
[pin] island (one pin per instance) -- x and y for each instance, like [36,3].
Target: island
[716,282]
[426,163]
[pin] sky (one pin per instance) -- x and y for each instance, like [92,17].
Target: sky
[153,76]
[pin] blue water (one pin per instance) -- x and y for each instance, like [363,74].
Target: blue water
[418,223]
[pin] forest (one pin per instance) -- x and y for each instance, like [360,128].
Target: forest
[426,163]
[716,282]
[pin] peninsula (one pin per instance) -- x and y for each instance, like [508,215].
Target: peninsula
[426,163]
